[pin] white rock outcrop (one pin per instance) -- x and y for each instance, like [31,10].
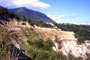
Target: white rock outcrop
[20,23]
[69,45]
[67,42]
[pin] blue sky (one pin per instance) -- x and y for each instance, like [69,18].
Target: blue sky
[62,11]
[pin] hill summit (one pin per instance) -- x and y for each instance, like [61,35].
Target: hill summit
[33,15]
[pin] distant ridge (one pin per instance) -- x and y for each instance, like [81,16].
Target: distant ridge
[33,15]
[1,7]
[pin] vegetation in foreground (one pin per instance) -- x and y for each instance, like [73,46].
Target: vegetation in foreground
[5,44]
[39,49]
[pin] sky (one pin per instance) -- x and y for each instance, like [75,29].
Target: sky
[61,11]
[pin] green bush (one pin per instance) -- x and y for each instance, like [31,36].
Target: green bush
[39,23]
[39,43]
[71,57]
[48,44]
[4,14]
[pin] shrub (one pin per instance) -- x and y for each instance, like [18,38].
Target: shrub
[71,57]
[39,43]
[4,14]
[48,44]
[39,23]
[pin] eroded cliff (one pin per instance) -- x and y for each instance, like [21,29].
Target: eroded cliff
[64,41]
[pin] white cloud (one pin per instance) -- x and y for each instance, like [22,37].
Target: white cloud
[24,3]
[6,3]
[74,16]
[58,19]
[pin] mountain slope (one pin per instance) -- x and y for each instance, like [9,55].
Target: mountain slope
[0,6]
[40,43]
[33,15]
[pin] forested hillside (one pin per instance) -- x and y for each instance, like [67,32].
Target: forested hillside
[82,31]
[31,14]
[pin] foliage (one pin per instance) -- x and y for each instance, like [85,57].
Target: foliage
[48,44]
[23,18]
[39,49]
[82,31]
[4,14]
[39,23]
[4,43]
[71,57]
[39,43]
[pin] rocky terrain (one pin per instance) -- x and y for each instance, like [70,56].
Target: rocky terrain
[28,40]
[68,42]
[64,41]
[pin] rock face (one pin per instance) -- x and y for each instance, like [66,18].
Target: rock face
[69,45]
[20,23]
[66,42]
